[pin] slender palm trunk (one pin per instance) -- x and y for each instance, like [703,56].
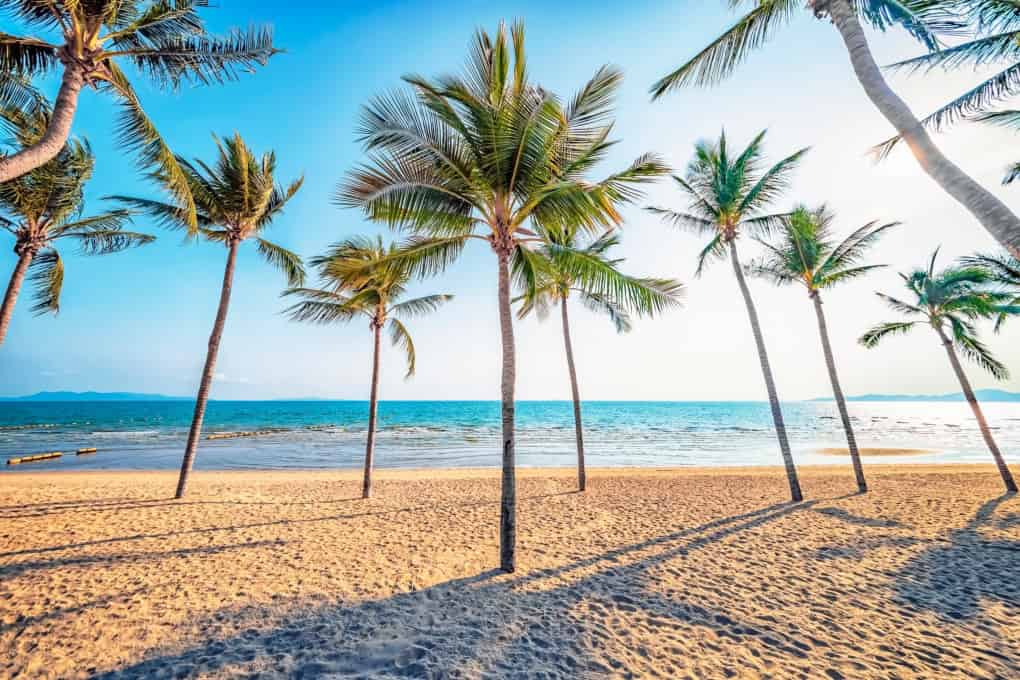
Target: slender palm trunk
[837,393]
[13,288]
[56,134]
[582,479]
[508,499]
[968,394]
[998,219]
[373,407]
[207,372]
[770,385]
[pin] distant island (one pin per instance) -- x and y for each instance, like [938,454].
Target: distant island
[982,395]
[95,396]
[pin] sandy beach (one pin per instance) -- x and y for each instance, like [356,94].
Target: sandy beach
[651,573]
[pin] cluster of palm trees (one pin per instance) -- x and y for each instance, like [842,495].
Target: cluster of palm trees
[489,155]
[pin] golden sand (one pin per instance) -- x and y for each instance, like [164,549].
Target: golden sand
[875,452]
[671,574]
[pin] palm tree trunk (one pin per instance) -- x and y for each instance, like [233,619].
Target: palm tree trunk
[508,496]
[207,372]
[837,393]
[373,406]
[13,288]
[582,479]
[55,137]
[968,394]
[770,385]
[998,219]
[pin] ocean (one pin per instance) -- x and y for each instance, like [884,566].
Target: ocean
[422,434]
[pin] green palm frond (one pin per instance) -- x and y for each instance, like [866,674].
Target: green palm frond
[421,306]
[601,304]
[965,339]
[26,56]
[881,331]
[47,275]
[106,241]
[401,339]
[285,260]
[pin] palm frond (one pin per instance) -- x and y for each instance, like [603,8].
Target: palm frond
[874,336]
[421,306]
[285,260]
[47,275]
[401,339]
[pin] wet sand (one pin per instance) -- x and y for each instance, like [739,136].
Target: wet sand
[875,452]
[651,573]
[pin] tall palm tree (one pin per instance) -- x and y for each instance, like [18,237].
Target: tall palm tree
[44,208]
[165,40]
[237,199]
[950,301]
[377,297]
[491,151]
[806,253]
[555,286]
[920,18]
[729,195]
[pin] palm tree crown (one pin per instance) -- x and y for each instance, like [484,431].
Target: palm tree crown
[950,301]
[1004,270]
[729,194]
[376,297]
[46,206]
[599,273]
[165,40]
[806,251]
[490,150]
[236,198]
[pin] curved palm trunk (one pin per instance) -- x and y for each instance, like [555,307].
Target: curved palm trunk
[582,479]
[968,393]
[837,393]
[373,407]
[998,219]
[207,372]
[770,385]
[508,495]
[53,140]
[13,288]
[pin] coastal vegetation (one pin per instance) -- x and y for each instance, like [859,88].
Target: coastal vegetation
[350,291]
[923,20]
[490,151]
[45,208]
[950,301]
[728,197]
[491,155]
[236,199]
[554,286]
[806,252]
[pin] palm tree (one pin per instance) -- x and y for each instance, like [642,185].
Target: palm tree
[920,18]
[728,196]
[236,199]
[376,297]
[950,301]
[166,41]
[491,151]
[555,286]
[806,253]
[46,206]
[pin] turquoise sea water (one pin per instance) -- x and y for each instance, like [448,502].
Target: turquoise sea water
[419,434]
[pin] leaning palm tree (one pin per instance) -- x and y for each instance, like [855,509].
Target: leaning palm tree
[920,18]
[237,199]
[950,301]
[807,253]
[492,152]
[376,297]
[165,40]
[44,208]
[555,286]
[729,195]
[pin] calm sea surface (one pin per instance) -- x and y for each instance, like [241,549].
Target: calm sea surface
[330,434]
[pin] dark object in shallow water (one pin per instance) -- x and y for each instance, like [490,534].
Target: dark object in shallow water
[32,459]
[86,450]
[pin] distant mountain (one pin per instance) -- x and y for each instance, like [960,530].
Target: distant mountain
[982,395]
[94,396]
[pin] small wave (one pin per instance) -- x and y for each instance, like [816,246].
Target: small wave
[34,426]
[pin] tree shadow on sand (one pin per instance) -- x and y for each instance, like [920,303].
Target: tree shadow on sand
[954,575]
[554,623]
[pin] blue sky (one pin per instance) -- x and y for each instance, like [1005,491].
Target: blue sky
[140,320]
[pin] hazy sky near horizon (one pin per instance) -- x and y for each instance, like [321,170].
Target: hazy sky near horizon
[139,321]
